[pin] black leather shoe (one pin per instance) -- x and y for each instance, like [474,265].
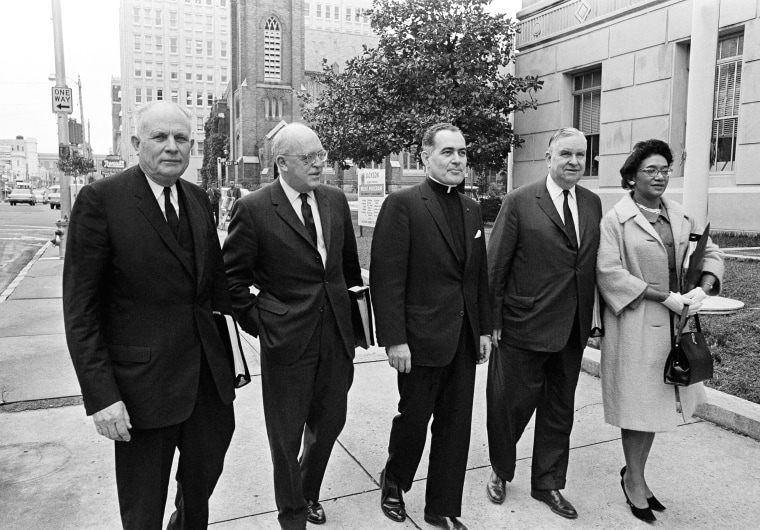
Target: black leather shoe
[315,513]
[391,499]
[643,514]
[556,502]
[440,521]
[496,488]
[652,501]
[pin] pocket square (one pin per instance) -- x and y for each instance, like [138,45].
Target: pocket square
[477,234]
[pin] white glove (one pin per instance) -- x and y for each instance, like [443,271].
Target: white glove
[674,302]
[694,308]
[696,295]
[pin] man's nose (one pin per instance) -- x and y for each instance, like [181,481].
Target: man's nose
[171,144]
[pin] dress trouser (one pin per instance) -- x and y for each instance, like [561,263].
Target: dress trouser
[306,400]
[446,393]
[143,465]
[521,382]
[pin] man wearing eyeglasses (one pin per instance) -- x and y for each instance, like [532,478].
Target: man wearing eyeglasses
[294,241]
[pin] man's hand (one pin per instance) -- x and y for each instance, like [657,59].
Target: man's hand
[113,422]
[496,336]
[485,349]
[400,358]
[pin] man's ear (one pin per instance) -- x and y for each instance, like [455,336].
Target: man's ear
[136,142]
[425,157]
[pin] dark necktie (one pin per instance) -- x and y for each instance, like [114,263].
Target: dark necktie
[171,213]
[308,218]
[569,223]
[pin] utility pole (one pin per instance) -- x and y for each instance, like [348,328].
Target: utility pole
[63,127]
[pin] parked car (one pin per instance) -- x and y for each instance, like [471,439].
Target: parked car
[22,195]
[40,195]
[54,197]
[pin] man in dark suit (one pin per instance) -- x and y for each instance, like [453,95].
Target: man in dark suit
[142,276]
[294,241]
[541,268]
[430,282]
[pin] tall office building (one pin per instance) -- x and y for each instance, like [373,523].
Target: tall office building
[176,50]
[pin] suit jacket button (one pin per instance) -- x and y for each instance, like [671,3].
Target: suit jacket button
[461,313]
[321,309]
[317,259]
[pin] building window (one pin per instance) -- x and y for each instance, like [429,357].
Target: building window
[148,43]
[159,94]
[173,19]
[319,10]
[148,94]
[728,81]
[224,75]
[159,18]
[199,75]
[159,70]
[138,95]
[199,123]
[209,48]
[358,14]
[199,47]
[148,70]
[175,96]
[173,45]
[410,161]
[273,108]
[222,3]
[327,12]
[210,76]
[200,148]
[188,46]
[306,9]
[273,49]
[223,25]
[587,92]
[136,15]
[210,99]
[138,43]
[199,99]
[209,23]
[138,68]
[348,14]
[189,72]
[174,72]
[159,43]
[148,17]
[336,16]
[189,98]
[223,50]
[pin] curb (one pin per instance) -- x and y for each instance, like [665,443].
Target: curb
[21,275]
[724,410]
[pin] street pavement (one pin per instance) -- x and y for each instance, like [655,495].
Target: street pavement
[57,473]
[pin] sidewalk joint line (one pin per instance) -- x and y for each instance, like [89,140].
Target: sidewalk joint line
[21,275]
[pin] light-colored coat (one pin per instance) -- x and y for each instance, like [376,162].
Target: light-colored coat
[636,338]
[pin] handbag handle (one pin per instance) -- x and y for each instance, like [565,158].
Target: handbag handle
[682,323]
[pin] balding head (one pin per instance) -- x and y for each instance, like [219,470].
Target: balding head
[292,152]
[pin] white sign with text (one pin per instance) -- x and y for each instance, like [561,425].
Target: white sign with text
[371,194]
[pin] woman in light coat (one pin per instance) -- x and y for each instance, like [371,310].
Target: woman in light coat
[644,243]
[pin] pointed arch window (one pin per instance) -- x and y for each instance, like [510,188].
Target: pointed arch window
[272,50]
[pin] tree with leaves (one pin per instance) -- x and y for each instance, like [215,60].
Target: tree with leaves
[215,143]
[76,165]
[436,61]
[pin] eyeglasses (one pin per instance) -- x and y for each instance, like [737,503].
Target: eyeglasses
[310,158]
[652,171]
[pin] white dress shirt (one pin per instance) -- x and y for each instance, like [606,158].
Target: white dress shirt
[558,198]
[158,192]
[295,201]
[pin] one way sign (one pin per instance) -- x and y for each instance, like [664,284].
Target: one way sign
[62,100]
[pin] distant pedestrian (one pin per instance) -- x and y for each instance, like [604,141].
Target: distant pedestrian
[541,268]
[142,276]
[643,250]
[214,195]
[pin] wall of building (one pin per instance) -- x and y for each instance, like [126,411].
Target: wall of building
[642,49]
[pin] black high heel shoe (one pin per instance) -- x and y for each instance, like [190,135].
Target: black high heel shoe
[644,514]
[652,501]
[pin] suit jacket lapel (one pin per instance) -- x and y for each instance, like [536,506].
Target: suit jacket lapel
[584,214]
[147,204]
[471,226]
[287,213]
[325,216]
[195,216]
[547,205]
[428,198]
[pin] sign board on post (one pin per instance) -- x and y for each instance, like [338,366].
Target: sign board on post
[371,195]
[62,100]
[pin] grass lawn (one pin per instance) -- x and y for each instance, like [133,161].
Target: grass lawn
[734,339]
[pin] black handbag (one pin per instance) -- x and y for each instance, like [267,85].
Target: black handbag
[689,360]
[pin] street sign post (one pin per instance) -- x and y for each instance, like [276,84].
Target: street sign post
[61,100]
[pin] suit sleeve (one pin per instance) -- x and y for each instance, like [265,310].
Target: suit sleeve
[240,253]
[388,270]
[352,271]
[85,277]
[484,303]
[501,249]
[220,296]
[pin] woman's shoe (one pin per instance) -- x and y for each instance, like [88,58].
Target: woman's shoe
[652,501]
[644,514]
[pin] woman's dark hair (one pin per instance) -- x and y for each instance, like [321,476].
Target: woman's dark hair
[641,151]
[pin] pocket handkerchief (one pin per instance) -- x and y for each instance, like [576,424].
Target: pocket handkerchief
[477,234]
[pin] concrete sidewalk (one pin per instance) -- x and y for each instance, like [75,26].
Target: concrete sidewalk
[57,473]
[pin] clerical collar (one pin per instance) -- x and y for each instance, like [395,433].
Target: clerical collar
[444,188]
